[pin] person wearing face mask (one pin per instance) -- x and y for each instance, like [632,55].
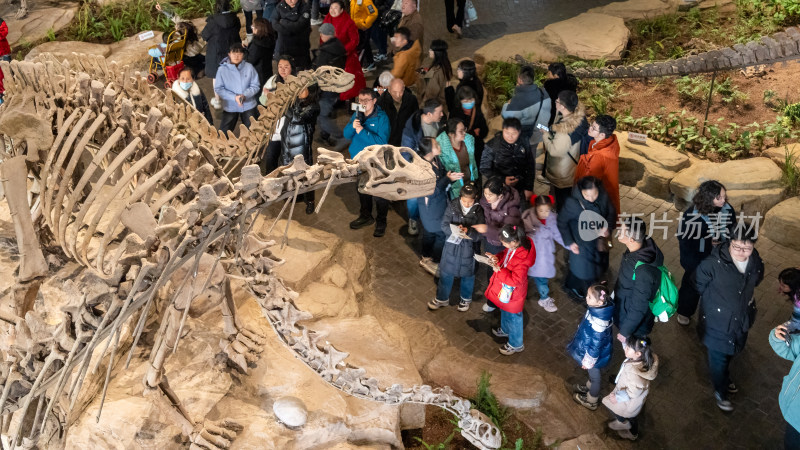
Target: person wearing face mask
[347,34]
[589,260]
[726,281]
[399,104]
[186,89]
[468,110]
[237,86]
[706,223]
[467,74]
[457,256]
[292,21]
[436,77]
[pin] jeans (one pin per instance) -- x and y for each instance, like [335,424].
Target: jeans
[366,207]
[688,297]
[791,440]
[454,17]
[364,48]
[718,363]
[315,9]
[327,124]
[379,38]
[413,209]
[446,285]
[595,380]
[269,7]
[632,420]
[229,119]
[511,324]
[248,19]
[432,244]
[542,286]
[578,284]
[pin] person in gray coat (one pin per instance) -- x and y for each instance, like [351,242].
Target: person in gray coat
[531,105]
[457,257]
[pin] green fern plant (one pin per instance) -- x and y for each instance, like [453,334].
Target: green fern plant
[790,176]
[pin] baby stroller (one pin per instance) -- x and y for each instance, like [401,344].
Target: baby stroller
[169,59]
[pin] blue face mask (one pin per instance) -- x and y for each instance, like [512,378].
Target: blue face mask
[468,105]
[186,86]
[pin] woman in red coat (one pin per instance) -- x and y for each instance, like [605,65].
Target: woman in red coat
[509,284]
[347,33]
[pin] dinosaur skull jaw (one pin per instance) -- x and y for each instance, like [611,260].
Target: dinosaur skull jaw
[334,79]
[394,173]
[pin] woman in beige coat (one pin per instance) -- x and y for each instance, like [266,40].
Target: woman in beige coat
[436,77]
[633,384]
[563,146]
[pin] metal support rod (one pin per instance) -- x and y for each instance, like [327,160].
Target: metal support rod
[708,102]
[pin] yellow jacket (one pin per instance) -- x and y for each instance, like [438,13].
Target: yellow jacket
[364,13]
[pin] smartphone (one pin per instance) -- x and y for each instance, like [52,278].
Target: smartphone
[358,107]
[542,127]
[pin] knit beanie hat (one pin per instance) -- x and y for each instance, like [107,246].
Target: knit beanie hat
[327,29]
[568,99]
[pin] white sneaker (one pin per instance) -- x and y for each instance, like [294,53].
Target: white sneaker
[487,308]
[215,103]
[413,227]
[548,304]
[463,305]
[436,304]
[315,22]
[429,266]
[683,320]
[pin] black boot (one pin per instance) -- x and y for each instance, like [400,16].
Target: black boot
[361,222]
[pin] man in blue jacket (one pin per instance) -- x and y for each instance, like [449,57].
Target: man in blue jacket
[368,127]
[530,104]
[237,85]
[788,347]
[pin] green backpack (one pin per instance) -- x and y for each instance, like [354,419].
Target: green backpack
[665,303]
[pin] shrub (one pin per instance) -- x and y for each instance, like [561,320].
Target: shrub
[598,93]
[792,112]
[486,402]
[790,176]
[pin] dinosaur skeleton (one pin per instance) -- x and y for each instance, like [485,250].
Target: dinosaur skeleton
[111,173]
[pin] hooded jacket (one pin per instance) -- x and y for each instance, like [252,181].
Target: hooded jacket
[633,384]
[633,296]
[413,133]
[298,132]
[221,31]
[233,80]
[727,306]
[593,343]
[588,265]
[398,117]
[347,34]
[457,259]
[363,14]
[563,146]
[544,235]
[195,97]
[788,398]
[450,160]
[503,159]
[602,162]
[507,213]
[513,272]
[259,54]
[375,132]
[293,26]
[406,62]
[530,104]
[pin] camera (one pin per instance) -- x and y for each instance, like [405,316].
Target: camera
[360,111]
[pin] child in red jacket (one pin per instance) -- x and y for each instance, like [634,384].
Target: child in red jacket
[5,53]
[508,286]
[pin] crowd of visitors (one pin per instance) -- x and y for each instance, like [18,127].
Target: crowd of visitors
[483,214]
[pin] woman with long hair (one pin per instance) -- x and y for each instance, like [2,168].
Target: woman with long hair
[261,48]
[436,77]
[467,74]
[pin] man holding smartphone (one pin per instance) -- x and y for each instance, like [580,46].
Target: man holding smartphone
[369,125]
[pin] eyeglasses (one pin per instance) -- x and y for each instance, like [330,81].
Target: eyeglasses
[595,127]
[738,248]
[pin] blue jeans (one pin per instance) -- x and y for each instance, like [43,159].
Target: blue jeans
[511,324]
[595,381]
[446,285]
[542,286]
[269,7]
[791,440]
[432,244]
[413,209]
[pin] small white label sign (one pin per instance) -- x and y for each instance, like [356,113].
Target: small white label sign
[637,138]
[146,35]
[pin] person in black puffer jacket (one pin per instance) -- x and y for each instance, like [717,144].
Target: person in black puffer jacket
[636,287]
[726,281]
[298,133]
[261,49]
[221,31]
[292,21]
[510,158]
[558,80]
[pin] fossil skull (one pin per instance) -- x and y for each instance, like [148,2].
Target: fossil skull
[394,173]
[334,79]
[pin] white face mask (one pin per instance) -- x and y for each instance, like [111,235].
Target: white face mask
[186,85]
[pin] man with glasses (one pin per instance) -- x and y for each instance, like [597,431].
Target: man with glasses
[727,280]
[370,126]
[602,159]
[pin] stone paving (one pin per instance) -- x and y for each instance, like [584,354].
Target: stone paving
[680,412]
